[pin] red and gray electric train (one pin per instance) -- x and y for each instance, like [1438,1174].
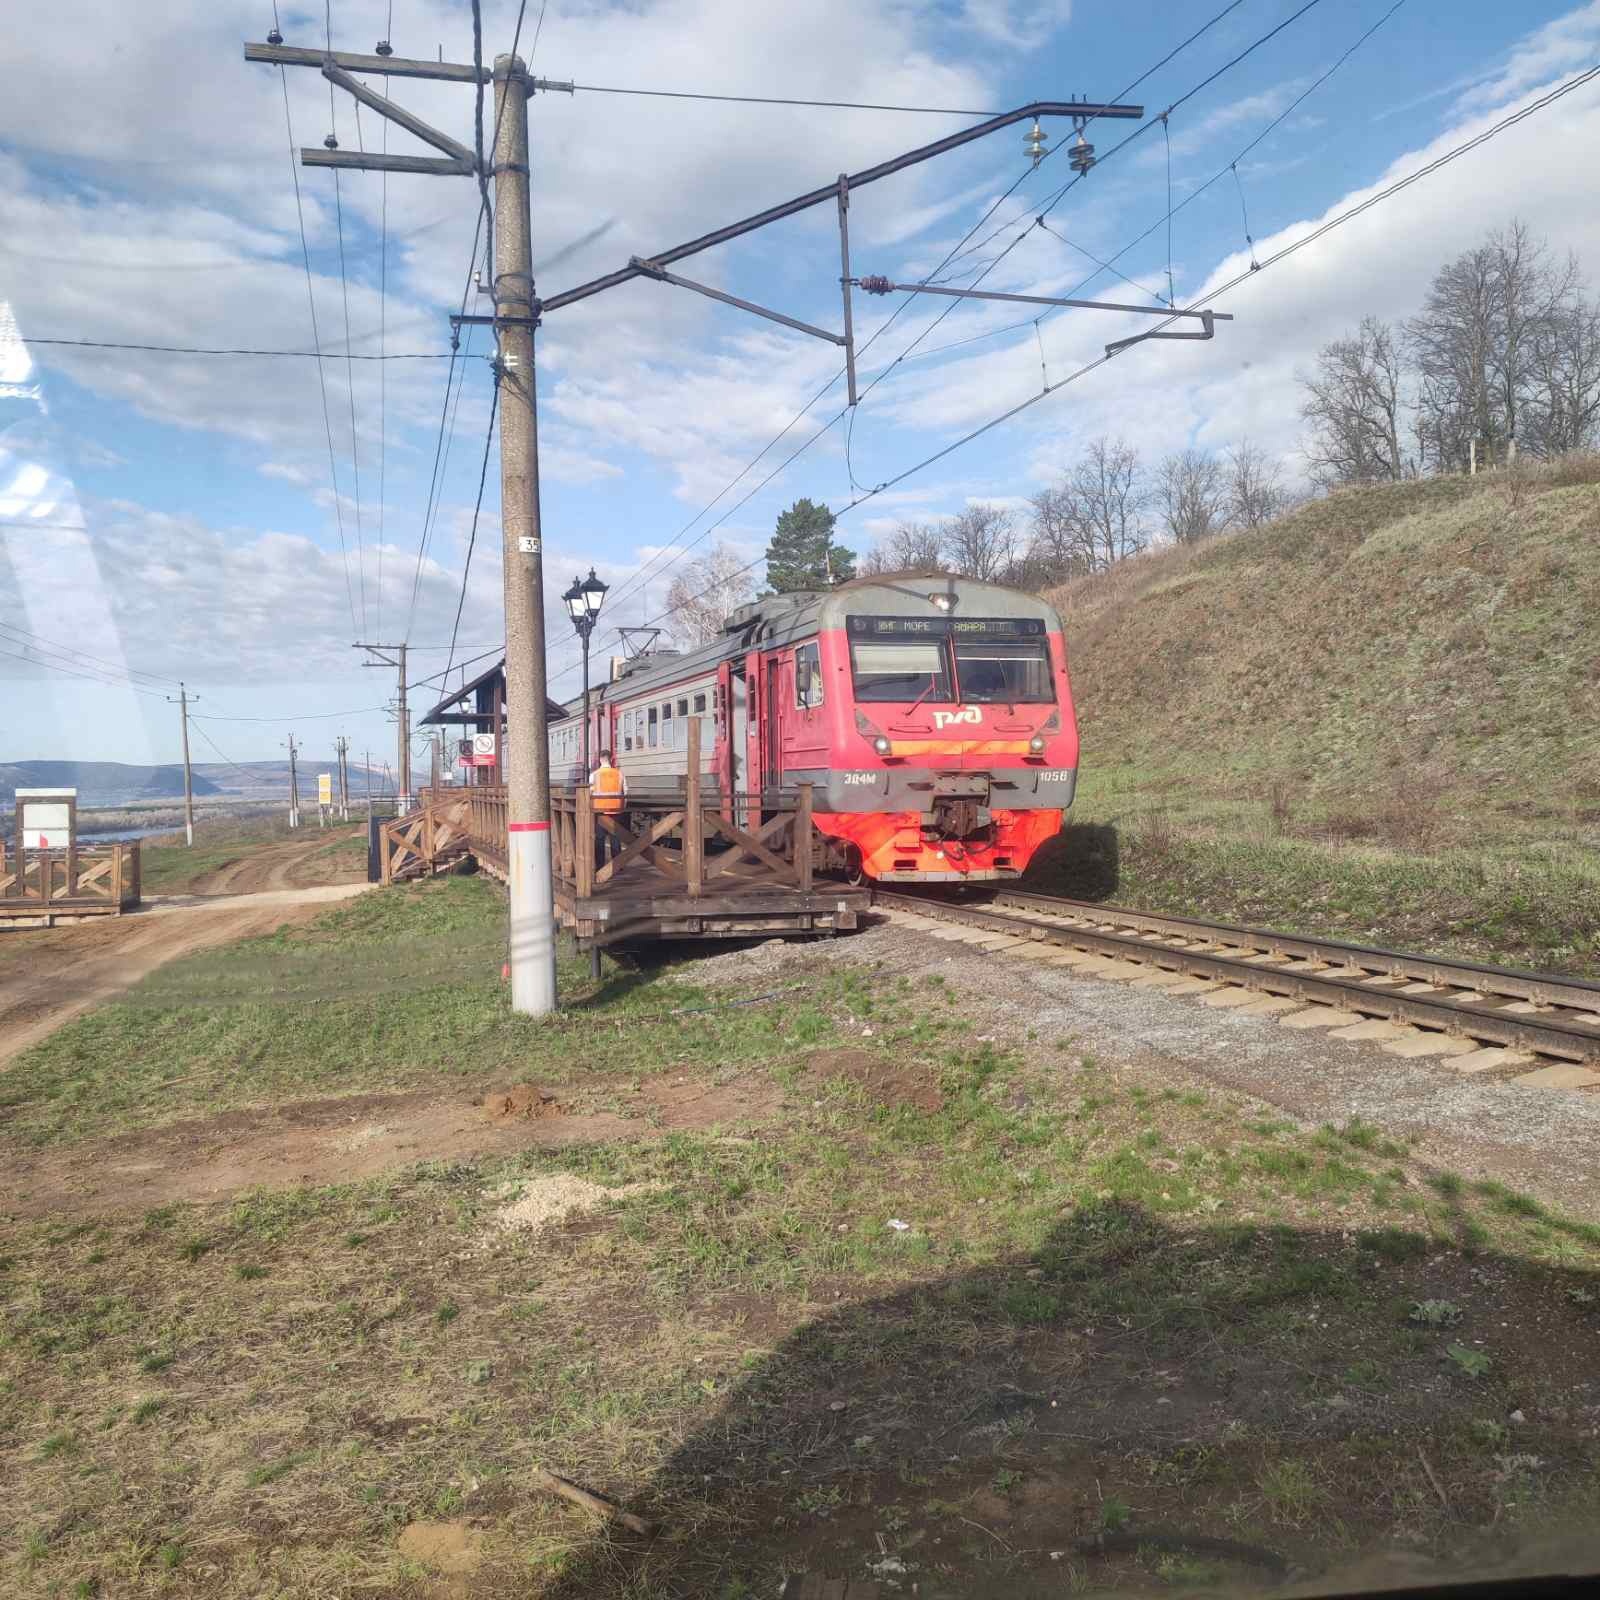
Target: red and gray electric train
[931,713]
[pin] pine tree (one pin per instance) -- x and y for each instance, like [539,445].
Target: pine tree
[802,554]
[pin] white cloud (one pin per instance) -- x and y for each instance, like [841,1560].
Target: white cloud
[1018,24]
[1552,52]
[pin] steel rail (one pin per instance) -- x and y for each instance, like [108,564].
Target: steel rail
[1542,988]
[1342,983]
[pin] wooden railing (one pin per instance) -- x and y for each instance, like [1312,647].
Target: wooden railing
[772,849]
[425,838]
[93,878]
[775,853]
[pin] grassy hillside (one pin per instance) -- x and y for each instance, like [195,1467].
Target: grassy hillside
[1381,713]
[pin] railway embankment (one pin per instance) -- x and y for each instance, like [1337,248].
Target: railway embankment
[1372,718]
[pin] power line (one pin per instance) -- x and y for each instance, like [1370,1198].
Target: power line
[383,341]
[214,350]
[227,760]
[344,290]
[316,339]
[441,447]
[53,647]
[472,539]
[71,672]
[304,716]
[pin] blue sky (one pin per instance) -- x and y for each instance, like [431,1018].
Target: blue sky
[175,516]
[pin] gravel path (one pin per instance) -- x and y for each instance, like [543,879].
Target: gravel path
[1544,1141]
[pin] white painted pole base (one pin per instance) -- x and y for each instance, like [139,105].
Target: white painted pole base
[533,939]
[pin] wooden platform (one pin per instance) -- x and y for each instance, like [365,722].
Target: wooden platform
[39,888]
[686,869]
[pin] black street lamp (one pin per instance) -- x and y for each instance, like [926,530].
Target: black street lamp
[584,600]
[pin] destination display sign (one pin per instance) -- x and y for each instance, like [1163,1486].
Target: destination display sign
[945,627]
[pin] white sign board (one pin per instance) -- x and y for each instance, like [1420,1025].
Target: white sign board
[483,745]
[45,818]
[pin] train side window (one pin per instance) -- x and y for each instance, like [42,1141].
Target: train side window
[627,730]
[650,727]
[699,705]
[807,677]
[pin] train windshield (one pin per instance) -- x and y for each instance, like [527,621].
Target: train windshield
[904,669]
[992,670]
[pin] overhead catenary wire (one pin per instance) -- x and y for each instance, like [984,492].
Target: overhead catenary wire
[1348,215]
[1239,156]
[659,563]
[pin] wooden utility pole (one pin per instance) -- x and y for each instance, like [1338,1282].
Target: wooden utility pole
[182,703]
[294,786]
[366,761]
[343,746]
[397,659]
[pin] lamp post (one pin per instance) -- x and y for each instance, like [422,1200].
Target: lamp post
[584,600]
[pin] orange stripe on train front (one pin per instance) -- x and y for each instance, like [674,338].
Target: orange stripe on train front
[955,750]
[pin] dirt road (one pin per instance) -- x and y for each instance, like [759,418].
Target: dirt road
[49,976]
[291,864]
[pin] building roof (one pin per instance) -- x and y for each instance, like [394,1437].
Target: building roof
[461,705]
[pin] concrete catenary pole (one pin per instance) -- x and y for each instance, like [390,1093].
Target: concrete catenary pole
[188,776]
[527,755]
[344,778]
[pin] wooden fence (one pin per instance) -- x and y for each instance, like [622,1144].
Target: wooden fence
[79,881]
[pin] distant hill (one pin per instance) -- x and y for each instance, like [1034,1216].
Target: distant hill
[104,784]
[100,782]
[1427,643]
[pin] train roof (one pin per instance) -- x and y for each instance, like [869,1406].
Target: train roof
[780,619]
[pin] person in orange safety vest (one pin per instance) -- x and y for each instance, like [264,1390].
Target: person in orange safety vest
[610,791]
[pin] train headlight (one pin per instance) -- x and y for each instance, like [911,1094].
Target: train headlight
[1036,744]
[882,745]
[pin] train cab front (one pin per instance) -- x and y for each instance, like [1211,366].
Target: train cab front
[963,752]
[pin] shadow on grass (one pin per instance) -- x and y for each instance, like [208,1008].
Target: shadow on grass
[1083,862]
[1174,1389]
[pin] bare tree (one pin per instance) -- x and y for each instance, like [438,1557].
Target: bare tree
[1352,406]
[1109,495]
[1058,542]
[1565,414]
[908,547]
[1482,344]
[982,541]
[1192,495]
[1253,486]
[704,593]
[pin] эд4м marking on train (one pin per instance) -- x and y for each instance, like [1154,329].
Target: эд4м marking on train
[931,713]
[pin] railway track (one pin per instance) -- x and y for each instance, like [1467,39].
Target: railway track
[1495,1006]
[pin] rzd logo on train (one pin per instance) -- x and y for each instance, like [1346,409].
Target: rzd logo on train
[972,714]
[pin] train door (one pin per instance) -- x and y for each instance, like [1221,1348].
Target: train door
[772,729]
[738,731]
